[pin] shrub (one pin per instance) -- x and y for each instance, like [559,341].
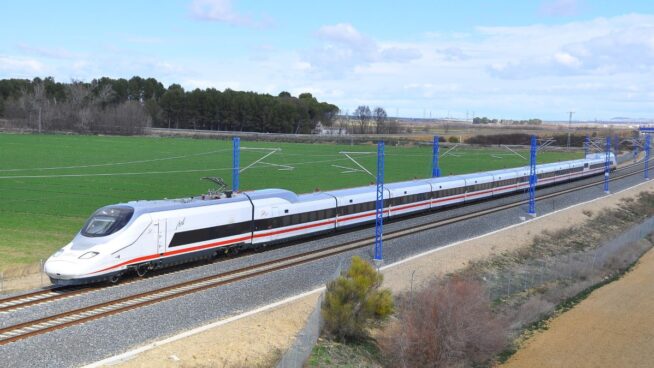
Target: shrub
[449,323]
[453,139]
[354,303]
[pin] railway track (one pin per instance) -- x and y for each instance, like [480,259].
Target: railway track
[37,297]
[85,314]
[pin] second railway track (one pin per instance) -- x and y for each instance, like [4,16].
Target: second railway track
[96,311]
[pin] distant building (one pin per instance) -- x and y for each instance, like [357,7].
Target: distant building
[322,130]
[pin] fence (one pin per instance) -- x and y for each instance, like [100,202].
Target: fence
[24,277]
[585,266]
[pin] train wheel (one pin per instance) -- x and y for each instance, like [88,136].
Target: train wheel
[114,279]
[141,270]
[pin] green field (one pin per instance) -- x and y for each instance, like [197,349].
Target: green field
[50,184]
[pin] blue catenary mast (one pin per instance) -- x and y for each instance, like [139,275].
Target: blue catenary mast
[379,205]
[532,177]
[435,168]
[647,149]
[236,162]
[607,164]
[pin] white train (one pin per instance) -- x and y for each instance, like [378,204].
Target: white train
[143,235]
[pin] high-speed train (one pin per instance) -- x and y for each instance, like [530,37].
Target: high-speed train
[144,235]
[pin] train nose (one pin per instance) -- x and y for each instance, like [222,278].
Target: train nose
[60,269]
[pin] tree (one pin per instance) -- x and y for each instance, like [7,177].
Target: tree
[354,303]
[380,117]
[78,106]
[306,96]
[363,115]
[36,101]
[172,103]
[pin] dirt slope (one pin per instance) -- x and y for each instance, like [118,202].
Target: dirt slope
[613,327]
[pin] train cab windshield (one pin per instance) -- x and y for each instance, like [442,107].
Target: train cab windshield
[107,221]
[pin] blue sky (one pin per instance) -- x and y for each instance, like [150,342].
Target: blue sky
[511,59]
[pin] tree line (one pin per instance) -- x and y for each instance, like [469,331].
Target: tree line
[121,106]
[367,121]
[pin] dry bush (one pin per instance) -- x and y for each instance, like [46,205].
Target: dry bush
[354,303]
[447,324]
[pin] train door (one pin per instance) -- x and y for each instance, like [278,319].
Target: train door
[160,228]
[274,212]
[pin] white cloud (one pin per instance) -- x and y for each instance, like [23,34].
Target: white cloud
[345,50]
[566,59]
[453,53]
[561,8]
[54,53]
[597,47]
[223,11]
[22,67]
[344,34]
[603,67]
[400,54]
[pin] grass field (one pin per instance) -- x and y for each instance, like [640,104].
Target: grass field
[50,184]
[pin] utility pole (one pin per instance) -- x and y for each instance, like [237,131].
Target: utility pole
[569,126]
[379,204]
[236,153]
[435,168]
[647,151]
[607,164]
[533,178]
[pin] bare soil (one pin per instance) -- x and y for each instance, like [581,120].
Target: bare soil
[257,341]
[613,327]
[10,282]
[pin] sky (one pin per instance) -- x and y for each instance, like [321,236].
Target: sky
[501,59]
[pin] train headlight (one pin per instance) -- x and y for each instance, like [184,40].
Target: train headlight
[88,255]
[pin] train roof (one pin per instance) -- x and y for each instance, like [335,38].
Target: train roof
[147,206]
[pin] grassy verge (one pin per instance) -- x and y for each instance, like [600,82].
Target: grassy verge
[328,353]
